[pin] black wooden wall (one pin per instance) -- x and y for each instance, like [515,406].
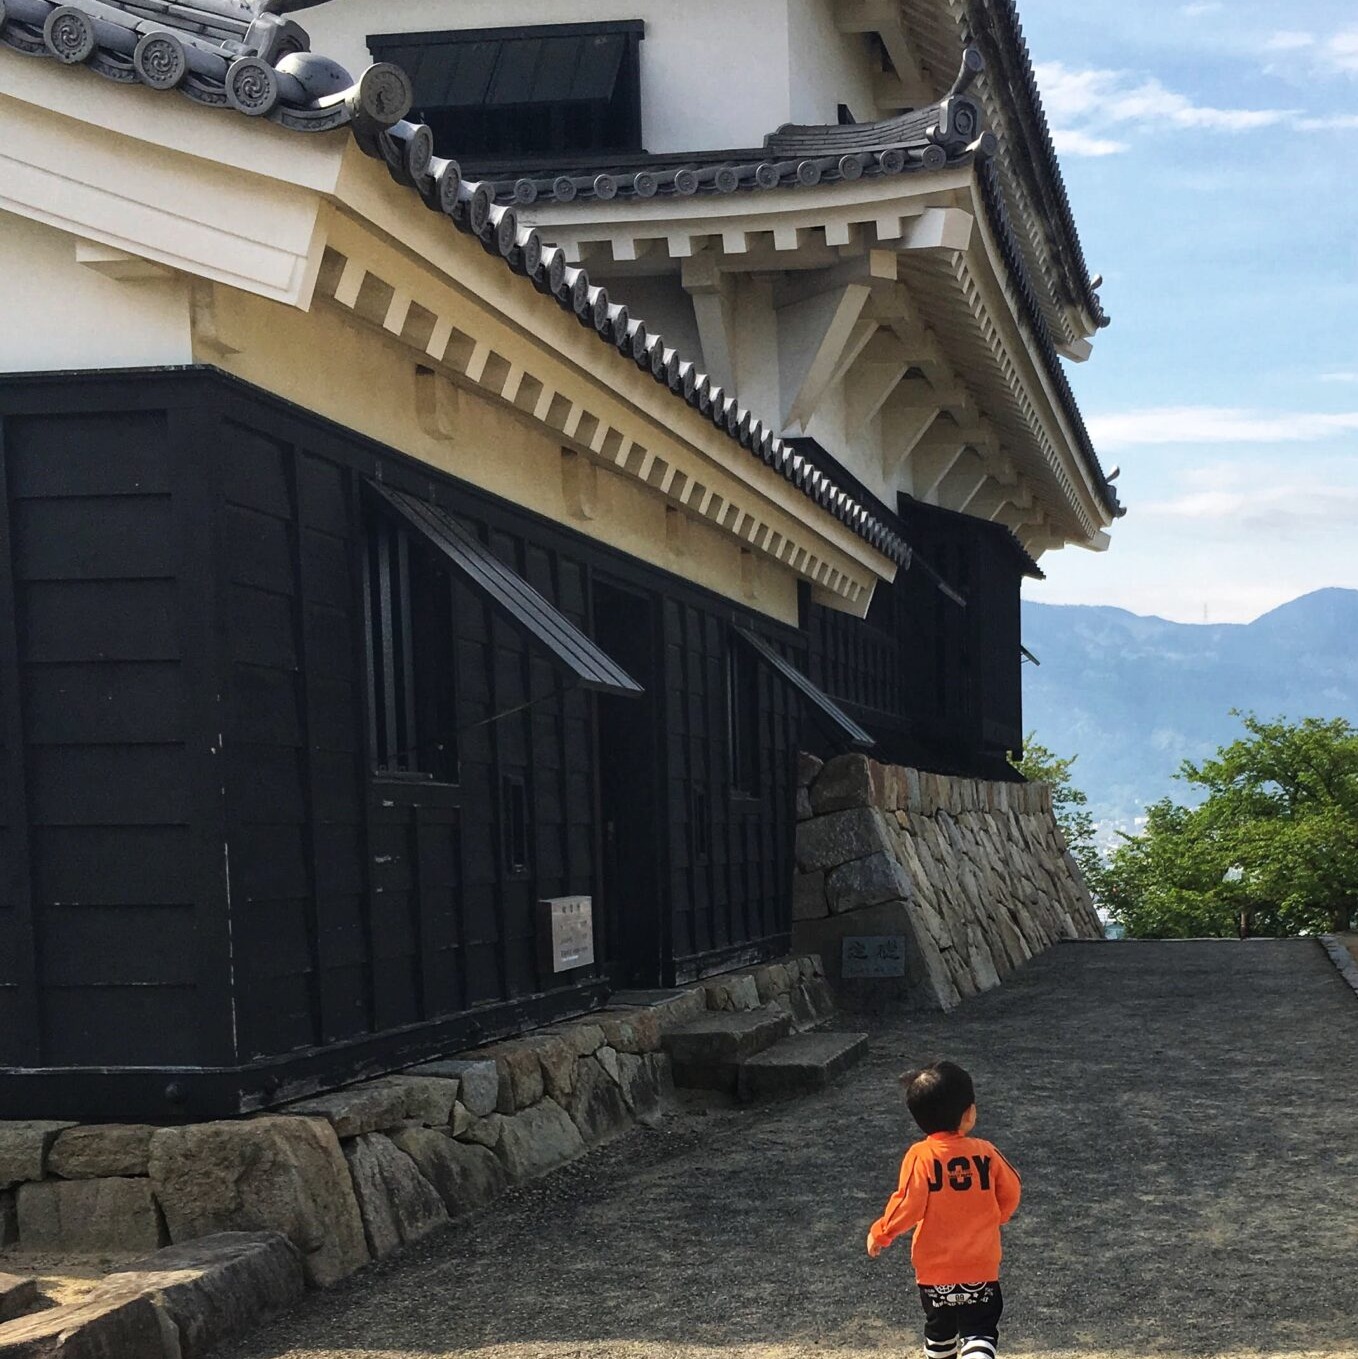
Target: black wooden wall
[730,877]
[937,683]
[99,846]
[367,901]
[202,872]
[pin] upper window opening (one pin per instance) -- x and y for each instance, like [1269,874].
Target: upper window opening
[507,94]
[742,720]
[408,603]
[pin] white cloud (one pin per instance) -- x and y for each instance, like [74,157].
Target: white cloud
[1217,425]
[1118,97]
[1086,106]
[1289,42]
[1339,377]
[1339,122]
[1340,52]
[1072,143]
[1276,507]
[1201,7]
[1334,54]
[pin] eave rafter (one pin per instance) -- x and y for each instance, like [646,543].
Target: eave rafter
[594,429]
[909,88]
[712,291]
[874,378]
[822,330]
[809,228]
[836,326]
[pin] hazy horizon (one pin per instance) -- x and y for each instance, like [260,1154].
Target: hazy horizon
[1187,622]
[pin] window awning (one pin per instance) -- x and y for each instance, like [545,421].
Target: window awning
[497,68]
[818,699]
[937,578]
[512,595]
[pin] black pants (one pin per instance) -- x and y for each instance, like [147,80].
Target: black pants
[961,1320]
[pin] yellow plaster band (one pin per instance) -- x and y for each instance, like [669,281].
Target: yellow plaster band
[368,383]
[438,264]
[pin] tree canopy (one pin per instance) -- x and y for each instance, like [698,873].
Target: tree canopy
[1038,764]
[1271,849]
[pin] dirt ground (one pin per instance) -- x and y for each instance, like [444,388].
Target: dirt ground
[60,1280]
[1185,1117]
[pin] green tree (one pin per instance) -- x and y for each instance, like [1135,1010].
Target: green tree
[1038,764]
[1272,848]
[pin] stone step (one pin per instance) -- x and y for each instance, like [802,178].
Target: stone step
[798,1065]
[17,1296]
[706,1052]
[812,1003]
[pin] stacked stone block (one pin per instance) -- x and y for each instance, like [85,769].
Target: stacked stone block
[349,1176]
[974,876]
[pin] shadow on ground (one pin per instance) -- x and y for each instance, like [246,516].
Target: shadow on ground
[1185,1117]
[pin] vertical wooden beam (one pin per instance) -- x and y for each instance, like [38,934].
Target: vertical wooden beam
[530,782]
[360,573]
[425,823]
[494,704]
[306,704]
[28,1036]
[194,432]
[718,774]
[387,660]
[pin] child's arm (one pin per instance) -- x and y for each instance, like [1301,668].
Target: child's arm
[1008,1188]
[904,1209]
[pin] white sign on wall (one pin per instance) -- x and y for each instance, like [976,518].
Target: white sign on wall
[569,924]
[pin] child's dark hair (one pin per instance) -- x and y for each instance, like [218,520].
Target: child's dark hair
[938,1095]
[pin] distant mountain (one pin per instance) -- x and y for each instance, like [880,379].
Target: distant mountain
[1134,696]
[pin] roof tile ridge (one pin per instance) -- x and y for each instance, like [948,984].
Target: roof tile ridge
[1012,37]
[993,198]
[223,53]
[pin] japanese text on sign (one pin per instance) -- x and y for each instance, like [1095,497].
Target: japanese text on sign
[570,921]
[873,956]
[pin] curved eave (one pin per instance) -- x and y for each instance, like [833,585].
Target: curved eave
[1035,187]
[889,210]
[997,28]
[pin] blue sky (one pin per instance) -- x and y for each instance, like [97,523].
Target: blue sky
[1210,148]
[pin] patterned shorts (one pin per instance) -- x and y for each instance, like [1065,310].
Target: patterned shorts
[966,1312]
[935,1297]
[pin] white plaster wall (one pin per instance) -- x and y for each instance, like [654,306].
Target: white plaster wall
[756,348]
[56,313]
[859,451]
[666,308]
[714,73]
[826,68]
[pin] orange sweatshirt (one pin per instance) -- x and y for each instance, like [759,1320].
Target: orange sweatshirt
[956,1192]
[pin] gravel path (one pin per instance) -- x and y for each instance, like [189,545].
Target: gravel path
[1185,1117]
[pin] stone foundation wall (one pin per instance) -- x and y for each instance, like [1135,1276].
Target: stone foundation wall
[353,1175]
[948,883]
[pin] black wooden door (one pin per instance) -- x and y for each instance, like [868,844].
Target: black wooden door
[629,783]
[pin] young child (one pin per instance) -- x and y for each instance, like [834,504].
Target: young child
[955,1191]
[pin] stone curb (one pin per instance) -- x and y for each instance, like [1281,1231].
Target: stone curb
[180,1303]
[337,1179]
[1342,959]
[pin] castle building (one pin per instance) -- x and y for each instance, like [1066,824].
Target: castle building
[451,466]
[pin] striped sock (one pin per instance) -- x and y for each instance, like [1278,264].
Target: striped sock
[940,1349]
[979,1346]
